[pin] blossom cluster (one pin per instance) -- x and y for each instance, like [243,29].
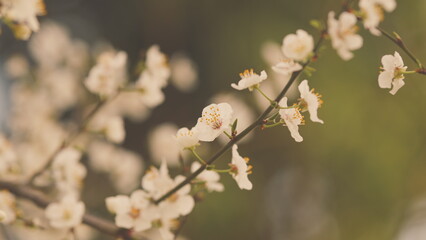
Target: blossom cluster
[83,116]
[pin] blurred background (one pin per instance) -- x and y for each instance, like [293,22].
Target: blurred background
[360,176]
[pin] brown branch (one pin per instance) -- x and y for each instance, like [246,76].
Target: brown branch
[398,41]
[256,123]
[42,201]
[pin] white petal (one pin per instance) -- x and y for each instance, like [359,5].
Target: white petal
[397,84]
[385,79]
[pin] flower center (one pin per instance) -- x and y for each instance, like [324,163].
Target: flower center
[212,118]
[247,73]
[134,212]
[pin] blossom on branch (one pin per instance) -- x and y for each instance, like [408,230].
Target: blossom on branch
[372,13]
[210,179]
[392,74]
[292,119]
[108,75]
[132,212]
[67,213]
[298,46]
[310,101]
[240,170]
[187,138]
[215,119]
[250,80]
[343,34]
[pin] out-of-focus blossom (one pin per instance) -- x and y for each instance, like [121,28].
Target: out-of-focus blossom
[343,34]
[132,212]
[9,167]
[7,207]
[157,66]
[287,67]
[298,46]
[187,138]
[66,213]
[210,179]
[215,119]
[112,127]
[151,93]
[124,167]
[21,16]
[67,171]
[372,11]
[240,169]
[292,119]
[184,73]
[392,75]
[163,144]
[250,80]
[108,75]
[17,66]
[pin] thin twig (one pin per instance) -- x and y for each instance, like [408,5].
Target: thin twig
[398,41]
[256,123]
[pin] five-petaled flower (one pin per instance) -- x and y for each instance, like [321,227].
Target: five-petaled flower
[250,80]
[343,34]
[67,213]
[215,119]
[393,72]
[298,46]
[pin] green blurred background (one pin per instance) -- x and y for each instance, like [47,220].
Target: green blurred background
[353,178]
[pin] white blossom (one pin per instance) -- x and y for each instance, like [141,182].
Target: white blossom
[7,207]
[184,73]
[292,119]
[392,75]
[343,34]
[151,93]
[187,138]
[210,178]
[250,80]
[310,101]
[157,182]
[23,14]
[240,169]
[180,203]
[298,46]
[287,67]
[372,11]
[242,111]
[108,74]
[157,66]
[132,212]
[215,119]
[67,171]
[112,127]
[67,213]
[163,145]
